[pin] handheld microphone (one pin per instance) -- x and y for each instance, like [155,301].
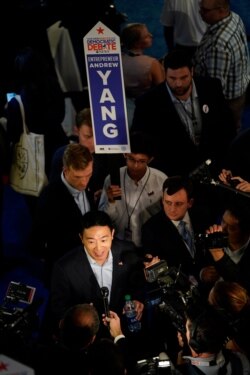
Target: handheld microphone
[105,294]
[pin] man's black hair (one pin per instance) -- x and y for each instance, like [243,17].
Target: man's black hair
[96,218]
[175,183]
[141,143]
[177,59]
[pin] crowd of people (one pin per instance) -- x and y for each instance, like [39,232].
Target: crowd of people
[167,223]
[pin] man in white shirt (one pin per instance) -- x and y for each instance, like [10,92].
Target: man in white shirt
[139,191]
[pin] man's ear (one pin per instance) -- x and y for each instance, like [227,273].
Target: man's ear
[75,130]
[112,233]
[61,322]
[190,203]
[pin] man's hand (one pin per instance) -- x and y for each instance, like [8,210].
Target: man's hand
[113,191]
[225,176]
[113,321]
[150,260]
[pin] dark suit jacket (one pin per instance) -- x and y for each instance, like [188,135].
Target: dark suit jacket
[73,280]
[161,237]
[57,223]
[175,152]
[231,271]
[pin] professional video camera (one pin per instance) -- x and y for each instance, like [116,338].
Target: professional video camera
[173,291]
[155,365]
[18,313]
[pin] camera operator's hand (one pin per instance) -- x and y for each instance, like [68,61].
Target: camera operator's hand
[225,176]
[242,185]
[214,228]
[209,275]
[216,252]
[149,260]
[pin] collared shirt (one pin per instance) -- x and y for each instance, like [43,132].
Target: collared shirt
[237,254]
[103,273]
[189,112]
[223,53]
[211,365]
[79,196]
[138,203]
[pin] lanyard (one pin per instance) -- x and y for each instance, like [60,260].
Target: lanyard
[191,115]
[126,204]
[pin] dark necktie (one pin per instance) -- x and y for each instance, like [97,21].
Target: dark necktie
[187,236]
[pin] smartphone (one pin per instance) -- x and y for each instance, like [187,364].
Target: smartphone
[115,179]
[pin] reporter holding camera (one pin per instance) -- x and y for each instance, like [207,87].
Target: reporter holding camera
[170,234]
[230,262]
[206,334]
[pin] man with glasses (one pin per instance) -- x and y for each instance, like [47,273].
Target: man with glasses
[137,197]
[223,53]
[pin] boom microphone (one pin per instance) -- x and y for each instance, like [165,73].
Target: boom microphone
[105,294]
[202,172]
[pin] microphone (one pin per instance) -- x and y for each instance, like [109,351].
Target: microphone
[105,294]
[202,172]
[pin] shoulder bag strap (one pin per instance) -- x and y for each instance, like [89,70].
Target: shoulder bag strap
[19,100]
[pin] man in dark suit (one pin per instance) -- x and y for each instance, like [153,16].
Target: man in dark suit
[79,276]
[161,236]
[186,116]
[60,208]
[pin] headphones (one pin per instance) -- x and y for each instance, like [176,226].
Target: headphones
[199,341]
[194,341]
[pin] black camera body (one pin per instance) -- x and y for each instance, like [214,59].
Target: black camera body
[18,313]
[172,290]
[154,366]
[214,240]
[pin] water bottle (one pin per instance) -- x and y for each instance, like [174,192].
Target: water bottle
[134,325]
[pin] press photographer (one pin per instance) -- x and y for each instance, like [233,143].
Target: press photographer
[231,261]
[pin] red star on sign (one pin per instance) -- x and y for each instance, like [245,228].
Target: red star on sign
[100,30]
[3,366]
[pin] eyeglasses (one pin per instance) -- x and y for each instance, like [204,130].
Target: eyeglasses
[134,161]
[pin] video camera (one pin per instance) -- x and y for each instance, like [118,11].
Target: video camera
[18,313]
[155,365]
[173,291]
[214,240]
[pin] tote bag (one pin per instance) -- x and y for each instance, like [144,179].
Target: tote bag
[27,173]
